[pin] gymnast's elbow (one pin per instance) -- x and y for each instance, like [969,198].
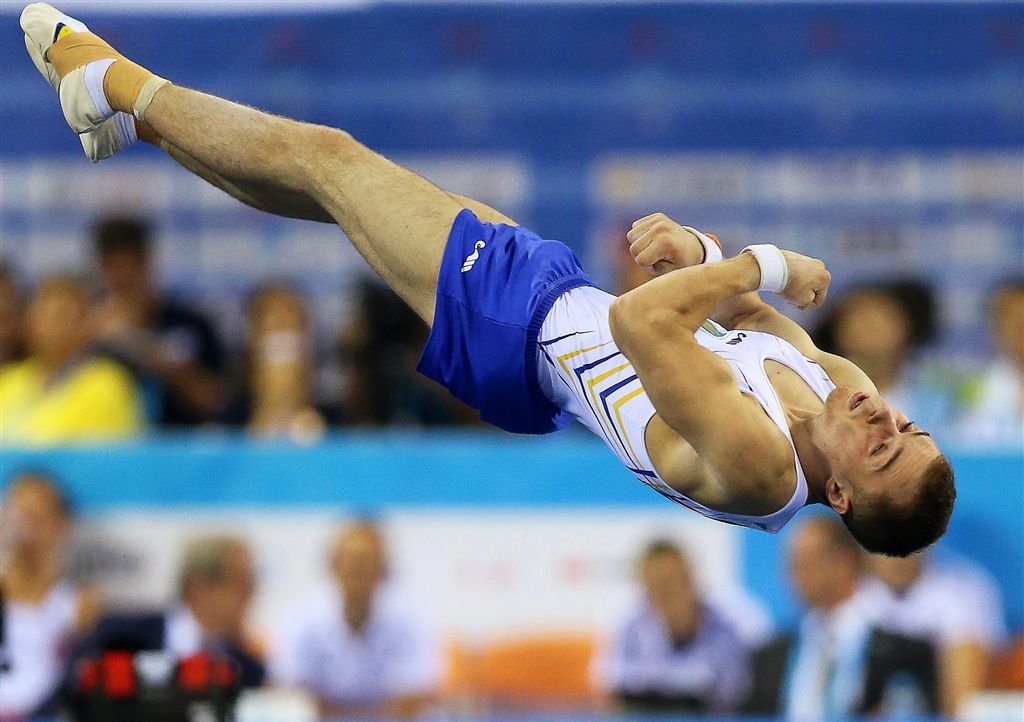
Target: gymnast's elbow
[634,322]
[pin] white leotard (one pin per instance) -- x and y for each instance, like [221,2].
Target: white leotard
[582,371]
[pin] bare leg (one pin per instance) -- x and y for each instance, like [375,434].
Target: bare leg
[397,220]
[292,204]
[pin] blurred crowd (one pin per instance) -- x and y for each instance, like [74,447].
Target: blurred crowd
[874,636]
[109,355]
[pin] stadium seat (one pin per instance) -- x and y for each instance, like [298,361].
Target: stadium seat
[542,672]
[1007,670]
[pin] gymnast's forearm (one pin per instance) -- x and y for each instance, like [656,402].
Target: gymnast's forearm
[687,296]
[263,197]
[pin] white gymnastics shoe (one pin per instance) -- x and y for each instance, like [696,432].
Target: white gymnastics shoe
[43,24]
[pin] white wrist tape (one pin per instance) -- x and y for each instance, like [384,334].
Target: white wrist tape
[774,269]
[712,253]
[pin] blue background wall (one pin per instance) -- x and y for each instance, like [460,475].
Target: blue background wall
[372,474]
[560,87]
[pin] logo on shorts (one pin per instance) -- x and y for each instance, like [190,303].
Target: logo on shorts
[470,261]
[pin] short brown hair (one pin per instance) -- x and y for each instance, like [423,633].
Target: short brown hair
[205,558]
[121,233]
[884,528]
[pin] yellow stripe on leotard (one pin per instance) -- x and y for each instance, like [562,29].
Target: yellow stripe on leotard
[573,354]
[617,407]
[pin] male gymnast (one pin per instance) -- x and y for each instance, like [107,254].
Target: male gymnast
[705,392]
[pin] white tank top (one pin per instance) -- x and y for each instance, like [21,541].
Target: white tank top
[34,649]
[582,371]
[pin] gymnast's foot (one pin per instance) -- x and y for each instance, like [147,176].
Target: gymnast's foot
[96,84]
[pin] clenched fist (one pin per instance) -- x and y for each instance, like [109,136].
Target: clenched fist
[660,245]
[808,280]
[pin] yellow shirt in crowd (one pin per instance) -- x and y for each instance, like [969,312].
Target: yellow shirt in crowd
[95,400]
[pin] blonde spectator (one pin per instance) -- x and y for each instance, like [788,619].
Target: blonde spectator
[41,611]
[954,605]
[60,393]
[358,646]
[281,367]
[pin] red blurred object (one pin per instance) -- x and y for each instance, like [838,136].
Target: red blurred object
[195,673]
[118,674]
[89,676]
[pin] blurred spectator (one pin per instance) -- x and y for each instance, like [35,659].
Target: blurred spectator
[838,663]
[216,582]
[175,351]
[361,648]
[380,349]
[62,392]
[41,611]
[277,399]
[954,606]
[672,651]
[996,407]
[12,341]
[883,328]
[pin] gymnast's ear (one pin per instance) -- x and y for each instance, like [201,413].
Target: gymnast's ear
[838,495]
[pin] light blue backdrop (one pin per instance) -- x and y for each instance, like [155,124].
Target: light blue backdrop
[371,473]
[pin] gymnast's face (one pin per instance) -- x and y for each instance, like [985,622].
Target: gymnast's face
[873,450]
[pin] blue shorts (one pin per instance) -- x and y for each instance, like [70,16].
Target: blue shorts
[497,283]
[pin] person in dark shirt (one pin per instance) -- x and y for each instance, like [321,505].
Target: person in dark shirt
[216,583]
[838,663]
[173,349]
[12,317]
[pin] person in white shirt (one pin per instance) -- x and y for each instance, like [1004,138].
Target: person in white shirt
[674,649]
[358,645]
[995,410]
[41,612]
[952,603]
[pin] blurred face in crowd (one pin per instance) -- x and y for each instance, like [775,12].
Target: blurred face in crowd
[220,601]
[824,572]
[669,585]
[56,321]
[897,572]
[35,522]
[277,310]
[1007,323]
[359,563]
[873,330]
[126,273]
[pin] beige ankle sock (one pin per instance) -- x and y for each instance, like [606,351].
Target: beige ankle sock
[73,50]
[128,86]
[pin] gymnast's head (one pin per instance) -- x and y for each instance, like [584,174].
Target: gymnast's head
[888,480]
